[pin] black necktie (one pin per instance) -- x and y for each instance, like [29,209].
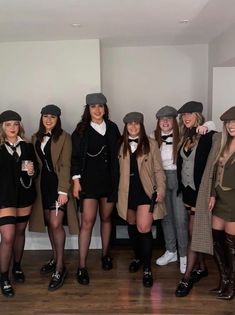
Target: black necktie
[14,154]
[133,140]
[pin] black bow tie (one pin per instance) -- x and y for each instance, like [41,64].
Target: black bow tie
[133,140]
[14,154]
[47,134]
[167,136]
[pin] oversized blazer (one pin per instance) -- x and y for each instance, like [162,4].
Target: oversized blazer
[151,174]
[61,159]
[202,240]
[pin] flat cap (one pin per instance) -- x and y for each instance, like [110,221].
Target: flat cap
[229,114]
[51,109]
[8,115]
[133,117]
[95,98]
[191,107]
[167,111]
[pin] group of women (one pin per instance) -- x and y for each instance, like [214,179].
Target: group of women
[44,180]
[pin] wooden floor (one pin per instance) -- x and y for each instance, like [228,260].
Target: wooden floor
[111,292]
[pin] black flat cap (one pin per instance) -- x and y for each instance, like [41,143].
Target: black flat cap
[229,114]
[51,109]
[191,107]
[167,111]
[133,117]
[8,115]
[95,98]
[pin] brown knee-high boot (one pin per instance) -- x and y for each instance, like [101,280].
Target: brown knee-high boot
[229,292]
[220,259]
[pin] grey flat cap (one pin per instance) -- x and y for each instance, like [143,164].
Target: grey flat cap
[51,109]
[167,111]
[191,107]
[134,117]
[95,98]
[8,115]
[229,114]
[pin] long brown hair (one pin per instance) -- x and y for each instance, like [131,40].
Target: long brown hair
[86,119]
[176,138]
[143,143]
[56,131]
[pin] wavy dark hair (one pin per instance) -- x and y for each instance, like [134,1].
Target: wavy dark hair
[143,143]
[56,131]
[86,119]
[176,138]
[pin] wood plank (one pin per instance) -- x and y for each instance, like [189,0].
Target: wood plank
[111,292]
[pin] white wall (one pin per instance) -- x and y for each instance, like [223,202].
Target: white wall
[147,78]
[221,54]
[223,92]
[33,74]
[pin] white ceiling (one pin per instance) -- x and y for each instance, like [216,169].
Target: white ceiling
[116,22]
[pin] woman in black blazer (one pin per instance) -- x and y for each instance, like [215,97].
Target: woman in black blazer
[191,161]
[95,176]
[17,193]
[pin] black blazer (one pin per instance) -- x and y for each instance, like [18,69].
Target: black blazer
[202,152]
[79,154]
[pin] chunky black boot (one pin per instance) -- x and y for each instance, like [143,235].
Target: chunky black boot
[229,292]
[220,259]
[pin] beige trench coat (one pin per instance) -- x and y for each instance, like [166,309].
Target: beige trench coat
[202,240]
[151,174]
[61,157]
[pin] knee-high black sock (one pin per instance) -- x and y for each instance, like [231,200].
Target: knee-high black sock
[134,238]
[146,244]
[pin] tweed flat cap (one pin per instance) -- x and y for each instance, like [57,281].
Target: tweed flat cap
[133,117]
[8,115]
[51,109]
[191,107]
[229,114]
[95,98]
[167,111]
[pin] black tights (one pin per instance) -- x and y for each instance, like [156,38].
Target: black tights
[7,240]
[56,234]
[194,259]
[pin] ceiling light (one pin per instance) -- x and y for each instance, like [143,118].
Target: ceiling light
[76,25]
[184,21]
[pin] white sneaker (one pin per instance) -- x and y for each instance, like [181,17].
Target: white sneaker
[183,264]
[166,258]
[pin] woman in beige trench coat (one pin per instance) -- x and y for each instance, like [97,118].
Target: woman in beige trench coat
[53,148]
[141,190]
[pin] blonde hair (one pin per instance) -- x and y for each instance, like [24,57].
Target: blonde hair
[224,143]
[21,132]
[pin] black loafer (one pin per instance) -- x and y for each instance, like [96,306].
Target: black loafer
[107,262]
[198,274]
[57,280]
[147,278]
[7,289]
[48,267]
[83,276]
[18,275]
[183,288]
[135,265]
